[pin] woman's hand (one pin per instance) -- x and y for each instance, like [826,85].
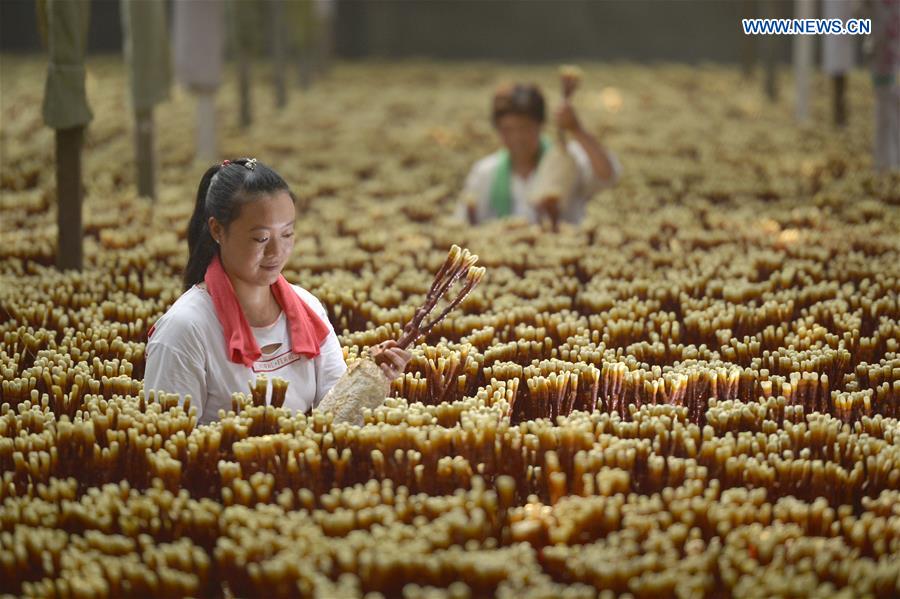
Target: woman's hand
[391,358]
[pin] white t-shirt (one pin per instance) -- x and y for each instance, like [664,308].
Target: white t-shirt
[481,179]
[274,338]
[186,355]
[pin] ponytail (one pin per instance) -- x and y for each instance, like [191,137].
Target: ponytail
[223,190]
[201,246]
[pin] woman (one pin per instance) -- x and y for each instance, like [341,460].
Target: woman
[499,184]
[238,317]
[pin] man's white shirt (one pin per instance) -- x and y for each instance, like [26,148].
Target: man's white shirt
[481,178]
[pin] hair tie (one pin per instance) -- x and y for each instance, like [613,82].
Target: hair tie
[249,163]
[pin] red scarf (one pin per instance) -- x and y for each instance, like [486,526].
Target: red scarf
[307,331]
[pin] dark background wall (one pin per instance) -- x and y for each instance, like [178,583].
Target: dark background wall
[535,30]
[19,33]
[506,30]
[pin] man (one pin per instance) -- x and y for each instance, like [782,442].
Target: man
[499,185]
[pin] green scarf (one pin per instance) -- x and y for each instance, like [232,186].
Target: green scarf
[501,192]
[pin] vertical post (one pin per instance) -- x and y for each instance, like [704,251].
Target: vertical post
[276,12]
[66,110]
[803,55]
[244,89]
[748,43]
[206,125]
[305,69]
[839,90]
[324,11]
[199,38]
[146,49]
[884,65]
[69,193]
[769,50]
[838,56]
[244,22]
[303,17]
[143,153]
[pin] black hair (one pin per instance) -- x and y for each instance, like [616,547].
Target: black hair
[519,98]
[223,191]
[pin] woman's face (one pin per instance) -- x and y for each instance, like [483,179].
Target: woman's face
[520,134]
[257,244]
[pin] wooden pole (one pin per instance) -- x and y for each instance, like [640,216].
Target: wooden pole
[838,57]
[244,22]
[748,43]
[305,69]
[69,193]
[839,91]
[769,50]
[325,36]
[244,89]
[304,21]
[276,13]
[803,57]
[144,154]
[206,125]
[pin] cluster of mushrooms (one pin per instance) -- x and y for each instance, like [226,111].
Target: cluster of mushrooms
[695,393]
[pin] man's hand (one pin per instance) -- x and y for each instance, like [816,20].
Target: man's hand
[567,118]
[391,359]
[472,215]
[549,208]
[471,204]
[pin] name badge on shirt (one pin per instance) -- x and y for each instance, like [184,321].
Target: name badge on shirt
[277,362]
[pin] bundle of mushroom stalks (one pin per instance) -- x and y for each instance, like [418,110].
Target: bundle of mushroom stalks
[365,385]
[557,172]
